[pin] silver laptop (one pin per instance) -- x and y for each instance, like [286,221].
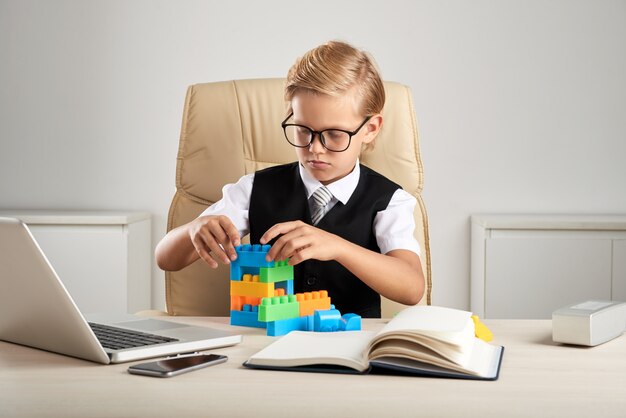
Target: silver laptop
[36,310]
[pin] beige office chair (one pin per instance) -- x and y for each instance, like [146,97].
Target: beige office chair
[233,128]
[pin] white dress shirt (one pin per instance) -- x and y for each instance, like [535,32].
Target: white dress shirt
[393,227]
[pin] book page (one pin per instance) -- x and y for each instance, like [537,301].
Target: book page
[419,351]
[445,324]
[447,332]
[483,362]
[301,348]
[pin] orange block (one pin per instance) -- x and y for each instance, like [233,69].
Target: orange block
[310,301]
[237,302]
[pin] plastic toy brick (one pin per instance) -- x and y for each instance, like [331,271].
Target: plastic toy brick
[287,285]
[257,289]
[331,320]
[250,308]
[326,321]
[284,326]
[279,292]
[249,259]
[311,301]
[246,319]
[351,322]
[253,255]
[480,330]
[237,302]
[279,307]
[250,278]
[279,273]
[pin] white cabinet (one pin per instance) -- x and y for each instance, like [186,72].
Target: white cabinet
[103,258]
[528,266]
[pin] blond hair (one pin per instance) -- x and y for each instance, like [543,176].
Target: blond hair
[336,69]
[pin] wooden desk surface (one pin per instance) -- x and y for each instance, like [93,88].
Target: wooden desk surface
[538,379]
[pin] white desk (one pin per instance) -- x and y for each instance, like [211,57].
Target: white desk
[538,379]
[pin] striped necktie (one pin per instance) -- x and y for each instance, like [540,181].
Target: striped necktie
[321,197]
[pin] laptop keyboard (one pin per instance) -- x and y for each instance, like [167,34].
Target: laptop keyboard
[119,338]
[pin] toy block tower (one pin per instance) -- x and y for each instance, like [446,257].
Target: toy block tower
[252,278]
[262,296]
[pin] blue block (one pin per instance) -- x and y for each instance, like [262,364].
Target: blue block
[246,319]
[350,322]
[330,320]
[284,326]
[249,259]
[326,320]
[307,322]
[253,255]
[250,308]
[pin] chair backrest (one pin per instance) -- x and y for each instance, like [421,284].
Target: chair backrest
[232,128]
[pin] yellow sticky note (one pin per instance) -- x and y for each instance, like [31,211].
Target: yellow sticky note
[481,331]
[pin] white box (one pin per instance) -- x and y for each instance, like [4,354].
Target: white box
[589,323]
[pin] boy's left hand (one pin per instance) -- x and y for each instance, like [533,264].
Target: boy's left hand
[301,241]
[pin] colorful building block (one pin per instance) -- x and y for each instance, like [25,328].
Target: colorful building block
[279,307]
[249,259]
[350,322]
[285,326]
[331,320]
[237,302]
[250,278]
[257,289]
[287,286]
[262,296]
[246,319]
[311,301]
[253,255]
[326,321]
[279,273]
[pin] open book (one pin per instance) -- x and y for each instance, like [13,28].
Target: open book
[420,340]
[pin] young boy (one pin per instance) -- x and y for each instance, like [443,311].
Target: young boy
[345,228]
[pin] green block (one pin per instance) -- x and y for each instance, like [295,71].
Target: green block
[279,307]
[279,273]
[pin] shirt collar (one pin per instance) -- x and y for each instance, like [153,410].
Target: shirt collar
[341,189]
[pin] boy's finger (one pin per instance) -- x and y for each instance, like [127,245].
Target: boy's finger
[274,251]
[200,246]
[206,256]
[215,248]
[268,236]
[276,230]
[233,238]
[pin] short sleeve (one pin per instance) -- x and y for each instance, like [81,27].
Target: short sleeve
[394,227]
[235,204]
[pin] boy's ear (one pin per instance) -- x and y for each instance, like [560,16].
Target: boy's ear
[372,128]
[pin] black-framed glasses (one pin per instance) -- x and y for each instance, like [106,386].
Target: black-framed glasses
[335,140]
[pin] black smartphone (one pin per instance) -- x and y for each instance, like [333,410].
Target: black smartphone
[174,366]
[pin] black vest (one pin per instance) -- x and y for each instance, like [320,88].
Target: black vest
[278,195]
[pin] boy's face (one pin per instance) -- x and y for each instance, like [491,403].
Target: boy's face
[320,112]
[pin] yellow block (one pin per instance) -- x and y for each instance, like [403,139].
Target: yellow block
[257,289]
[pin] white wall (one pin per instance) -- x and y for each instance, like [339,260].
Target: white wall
[521,104]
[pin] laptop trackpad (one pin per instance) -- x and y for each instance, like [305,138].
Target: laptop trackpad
[150,325]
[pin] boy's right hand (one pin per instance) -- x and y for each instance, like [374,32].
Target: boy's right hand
[214,238]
